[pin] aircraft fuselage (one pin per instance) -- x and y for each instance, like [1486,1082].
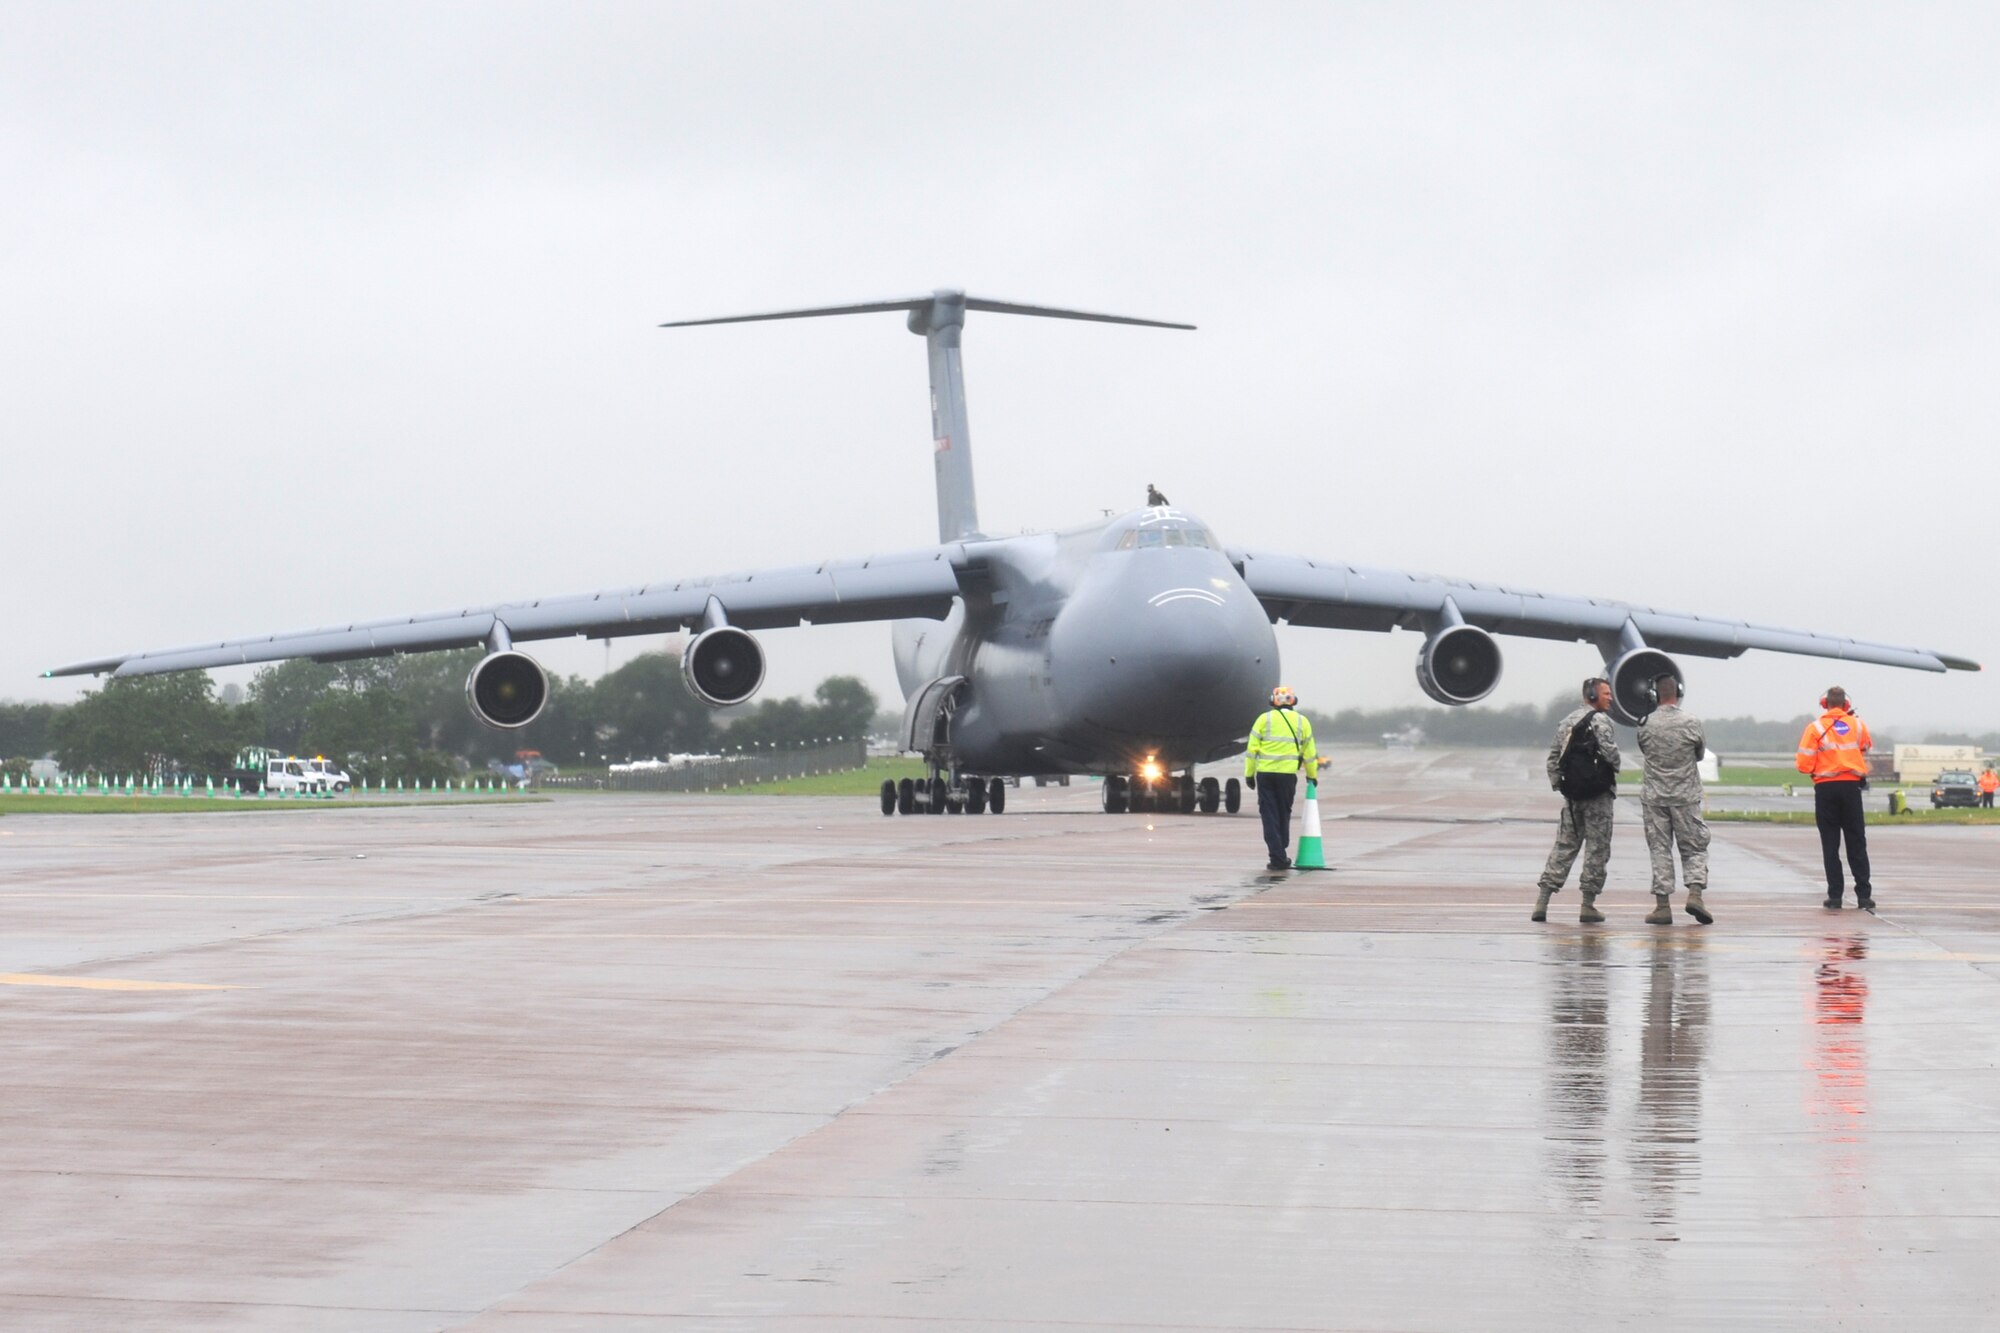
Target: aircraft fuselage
[1093,650]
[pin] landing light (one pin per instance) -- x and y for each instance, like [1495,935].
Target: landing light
[1151,771]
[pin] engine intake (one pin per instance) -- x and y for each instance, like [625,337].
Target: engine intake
[1629,677]
[723,666]
[507,690]
[1460,665]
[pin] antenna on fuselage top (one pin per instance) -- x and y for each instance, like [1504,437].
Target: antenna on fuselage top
[939,317]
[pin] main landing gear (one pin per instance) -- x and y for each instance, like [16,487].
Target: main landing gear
[966,795]
[1168,794]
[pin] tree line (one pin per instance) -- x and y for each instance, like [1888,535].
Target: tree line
[1524,725]
[407,717]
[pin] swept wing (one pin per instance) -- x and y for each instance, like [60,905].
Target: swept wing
[910,584]
[1335,595]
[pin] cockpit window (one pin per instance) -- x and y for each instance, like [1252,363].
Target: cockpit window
[1167,534]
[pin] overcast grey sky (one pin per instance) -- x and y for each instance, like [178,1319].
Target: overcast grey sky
[322,312]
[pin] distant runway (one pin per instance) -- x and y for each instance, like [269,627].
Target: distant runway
[622,1062]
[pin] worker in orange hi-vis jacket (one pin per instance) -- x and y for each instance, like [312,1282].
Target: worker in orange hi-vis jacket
[1989,782]
[1834,751]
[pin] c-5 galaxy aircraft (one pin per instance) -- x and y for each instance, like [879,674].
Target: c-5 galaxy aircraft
[1135,647]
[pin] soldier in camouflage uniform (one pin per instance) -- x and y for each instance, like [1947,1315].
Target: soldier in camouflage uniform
[1586,824]
[1673,742]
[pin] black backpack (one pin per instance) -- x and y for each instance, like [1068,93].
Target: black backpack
[1583,770]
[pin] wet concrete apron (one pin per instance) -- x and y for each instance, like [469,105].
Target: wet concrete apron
[615,1063]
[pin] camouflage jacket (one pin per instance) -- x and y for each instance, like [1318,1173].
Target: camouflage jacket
[1672,743]
[1607,739]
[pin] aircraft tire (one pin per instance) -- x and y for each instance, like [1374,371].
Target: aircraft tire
[888,796]
[996,796]
[906,797]
[1232,796]
[1210,796]
[937,801]
[975,796]
[1187,794]
[1114,795]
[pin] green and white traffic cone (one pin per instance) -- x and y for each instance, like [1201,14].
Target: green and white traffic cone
[1311,855]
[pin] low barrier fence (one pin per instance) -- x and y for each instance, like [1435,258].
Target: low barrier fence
[720,773]
[108,784]
[736,769]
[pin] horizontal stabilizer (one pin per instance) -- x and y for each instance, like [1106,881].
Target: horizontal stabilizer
[924,303]
[1052,312]
[866,308]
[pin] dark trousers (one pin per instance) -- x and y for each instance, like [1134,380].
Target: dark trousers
[1986,799]
[1275,792]
[1837,811]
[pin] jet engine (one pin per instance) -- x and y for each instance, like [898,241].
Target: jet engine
[1630,675]
[1459,665]
[507,690]
[723,666]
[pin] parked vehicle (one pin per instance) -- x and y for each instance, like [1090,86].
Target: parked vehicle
[336,777]
[1954,787]
[259,769]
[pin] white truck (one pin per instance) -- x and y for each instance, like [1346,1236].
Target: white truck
[335,776]
[258,769]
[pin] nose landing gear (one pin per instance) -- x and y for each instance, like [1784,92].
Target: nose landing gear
[1168,794]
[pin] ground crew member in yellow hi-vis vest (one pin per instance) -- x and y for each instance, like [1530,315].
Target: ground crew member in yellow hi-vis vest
[1281,748]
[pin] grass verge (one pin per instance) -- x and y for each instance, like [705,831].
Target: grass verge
[36,804]
[864,781]
[1931,817]
[1735,777]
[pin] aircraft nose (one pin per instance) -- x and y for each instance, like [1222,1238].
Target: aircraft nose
[1190,648]
[1167,662]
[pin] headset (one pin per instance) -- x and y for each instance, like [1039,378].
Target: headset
[1652,690]
[1826,700]
[1590,688]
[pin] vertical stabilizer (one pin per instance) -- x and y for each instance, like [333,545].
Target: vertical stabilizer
[939,318]
[940,321]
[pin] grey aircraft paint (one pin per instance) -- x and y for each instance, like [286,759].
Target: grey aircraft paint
[1133,641]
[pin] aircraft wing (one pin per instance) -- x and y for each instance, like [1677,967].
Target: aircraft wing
[1334,595]
[912,584]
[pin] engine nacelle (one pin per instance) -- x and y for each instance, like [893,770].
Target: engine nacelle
[507,690]
[1630,675]
[1460,665]
[723,666]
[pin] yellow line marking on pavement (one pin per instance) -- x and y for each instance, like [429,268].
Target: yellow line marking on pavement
[101,983]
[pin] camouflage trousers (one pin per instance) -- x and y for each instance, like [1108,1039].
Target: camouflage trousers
[1671,826]
[1586,828]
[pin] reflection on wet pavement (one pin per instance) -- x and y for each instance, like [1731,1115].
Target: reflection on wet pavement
[1579,1092]
[1666,1139]
[1591,1123]
[1837,1105]
[1839,1053]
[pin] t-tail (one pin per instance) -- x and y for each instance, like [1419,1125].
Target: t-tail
[939,317]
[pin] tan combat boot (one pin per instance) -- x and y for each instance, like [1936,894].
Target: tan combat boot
[1697,908]
[1590,916]
[1663,911]
[1541,912]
